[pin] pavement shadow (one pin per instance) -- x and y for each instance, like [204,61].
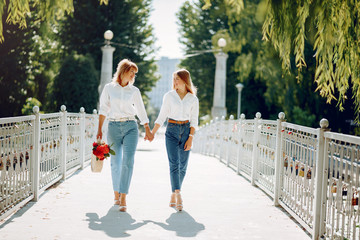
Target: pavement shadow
[182,223]
[115,224]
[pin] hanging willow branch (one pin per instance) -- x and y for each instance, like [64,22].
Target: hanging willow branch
[334,29]
[18,10]
[336,45]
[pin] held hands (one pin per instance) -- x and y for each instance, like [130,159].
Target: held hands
[149,135]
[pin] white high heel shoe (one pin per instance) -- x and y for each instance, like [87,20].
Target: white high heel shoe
[179,205]
[172,204]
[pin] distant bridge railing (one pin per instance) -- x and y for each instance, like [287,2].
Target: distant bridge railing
[39,150]
[312,173]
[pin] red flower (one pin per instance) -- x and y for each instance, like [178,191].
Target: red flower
[102,150]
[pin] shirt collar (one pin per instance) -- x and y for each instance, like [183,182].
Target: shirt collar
[129,86]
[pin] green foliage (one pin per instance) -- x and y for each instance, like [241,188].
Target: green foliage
[197,28]
[76,85]
[14,55]
[29,61]
[83,32]
[332,26]
[303,117]
[28,106]
[268,88]
[17,11]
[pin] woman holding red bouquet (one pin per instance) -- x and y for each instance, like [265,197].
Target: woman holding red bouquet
[120,101]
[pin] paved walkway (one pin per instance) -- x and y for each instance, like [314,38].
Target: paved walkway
[218,204]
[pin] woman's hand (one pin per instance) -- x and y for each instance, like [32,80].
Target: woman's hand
[188,143]
[148,134]
[99,135]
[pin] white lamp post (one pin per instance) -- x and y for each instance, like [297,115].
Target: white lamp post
[218,109]
[239,87]
[107,61]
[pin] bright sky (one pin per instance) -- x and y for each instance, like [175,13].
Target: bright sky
[163,18]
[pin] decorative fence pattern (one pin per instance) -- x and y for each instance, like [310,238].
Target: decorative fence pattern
[312,173]
[39,150]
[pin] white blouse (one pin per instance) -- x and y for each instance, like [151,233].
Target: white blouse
[181,110]
[122,102]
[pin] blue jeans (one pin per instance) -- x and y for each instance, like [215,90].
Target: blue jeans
[124,137]
[175,137]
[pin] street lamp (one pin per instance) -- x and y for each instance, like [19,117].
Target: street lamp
[239,87]
[218,109]
[107,61]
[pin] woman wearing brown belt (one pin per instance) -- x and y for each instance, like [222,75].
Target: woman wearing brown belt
[181,107]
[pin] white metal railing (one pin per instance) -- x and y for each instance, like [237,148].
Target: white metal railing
[312,173]
[39,150]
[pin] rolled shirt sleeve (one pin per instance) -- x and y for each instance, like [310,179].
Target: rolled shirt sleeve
[104,106]
[194,114]
[140,108]
[164,111]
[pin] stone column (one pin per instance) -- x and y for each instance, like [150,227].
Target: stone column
[218,109]
[106,66]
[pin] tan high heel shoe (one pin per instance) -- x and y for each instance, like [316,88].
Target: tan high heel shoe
[116,198]
[179,202]
[122,206]
[172,200]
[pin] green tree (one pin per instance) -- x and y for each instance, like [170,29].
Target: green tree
[259,68]
[13,82]
[197,28]
[332,28]
[76,85]
[83,32]
[28,107]
[16,11]
[29,61]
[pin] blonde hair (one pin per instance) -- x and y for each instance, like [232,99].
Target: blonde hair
[185,76]
[123,67]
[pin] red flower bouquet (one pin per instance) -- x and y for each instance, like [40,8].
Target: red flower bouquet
[101,150]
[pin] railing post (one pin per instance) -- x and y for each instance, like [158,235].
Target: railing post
[206,131]
[214,126]
[222,134]
[240,147]
[278,159]
[229,138]
[319,178]
[255,148]
[36,155]
[63,140]
[82,137]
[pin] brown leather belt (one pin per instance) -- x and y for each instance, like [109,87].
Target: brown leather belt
[177,122]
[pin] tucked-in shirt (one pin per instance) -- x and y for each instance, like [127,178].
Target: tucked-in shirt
[122,102]
[181,110]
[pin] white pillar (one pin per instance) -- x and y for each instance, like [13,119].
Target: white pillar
[63,141]
[255,148]
[218,109]
[279,163]
[36,154]
[318,221]
[106,66]
[239,87]
[82,137]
